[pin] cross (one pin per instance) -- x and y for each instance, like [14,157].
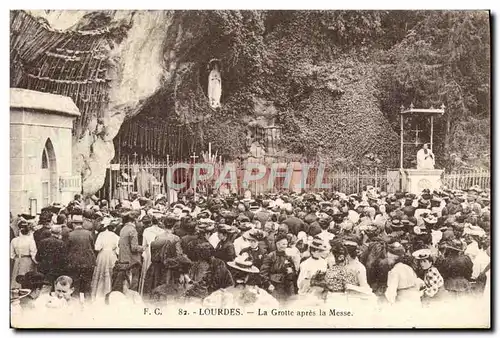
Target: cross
[135,157]
[194,157]
[416,135]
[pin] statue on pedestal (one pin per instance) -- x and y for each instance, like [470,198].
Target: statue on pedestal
[425,158]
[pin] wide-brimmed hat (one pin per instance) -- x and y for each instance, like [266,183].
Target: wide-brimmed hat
[206,226]
[32,279]
[243,263]
[26,217]
[474,230]
[225,229]
[454,244]
[318,244]
[179,263]
[16,294]
[419,230]
[255,234]
[245,226]
[350,243]
[396,223]
[325,204]
[396,248]
[422,254]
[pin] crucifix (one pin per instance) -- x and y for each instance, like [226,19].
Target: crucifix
[194,157]
[135,157]
[417,131]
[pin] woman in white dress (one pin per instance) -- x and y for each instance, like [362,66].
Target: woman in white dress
[23,252]
[107,245]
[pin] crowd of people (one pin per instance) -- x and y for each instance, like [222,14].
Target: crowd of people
[269,249]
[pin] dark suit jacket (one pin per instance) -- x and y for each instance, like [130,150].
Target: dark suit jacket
[80,249]
[40,234]
[225,251]
[51,256]
[130,250]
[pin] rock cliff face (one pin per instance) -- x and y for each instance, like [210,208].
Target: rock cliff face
[320,93]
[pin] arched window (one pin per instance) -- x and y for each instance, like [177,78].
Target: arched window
[45,160]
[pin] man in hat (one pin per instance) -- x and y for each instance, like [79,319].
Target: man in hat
[51,255]
[129,249]
[81,258]
[311,266]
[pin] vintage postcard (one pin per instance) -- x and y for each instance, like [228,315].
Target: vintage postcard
[250,169]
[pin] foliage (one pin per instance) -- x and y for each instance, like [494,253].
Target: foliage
[336,78]
[444,59]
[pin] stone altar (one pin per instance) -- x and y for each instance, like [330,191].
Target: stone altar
[415,180]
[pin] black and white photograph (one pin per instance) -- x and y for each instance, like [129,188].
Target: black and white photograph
[250,169]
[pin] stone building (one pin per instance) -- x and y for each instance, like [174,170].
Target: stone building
[41,171]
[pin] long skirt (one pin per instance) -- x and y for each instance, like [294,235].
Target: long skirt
[21,266]
[101,279]
[155,276]
[145,266]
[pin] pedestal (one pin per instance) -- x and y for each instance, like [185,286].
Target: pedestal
[414,180]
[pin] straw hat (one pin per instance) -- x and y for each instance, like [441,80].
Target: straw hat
[350,243]
[422,254]
[396,249]
[474,230]
[254,234]
[318,244]
[396,223]
[16,294]
[242,263]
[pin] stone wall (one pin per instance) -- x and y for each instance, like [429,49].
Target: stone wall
[30,131]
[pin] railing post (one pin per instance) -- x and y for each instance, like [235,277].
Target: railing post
[357,182]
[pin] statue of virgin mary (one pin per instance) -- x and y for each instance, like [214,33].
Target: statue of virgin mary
[214,83]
